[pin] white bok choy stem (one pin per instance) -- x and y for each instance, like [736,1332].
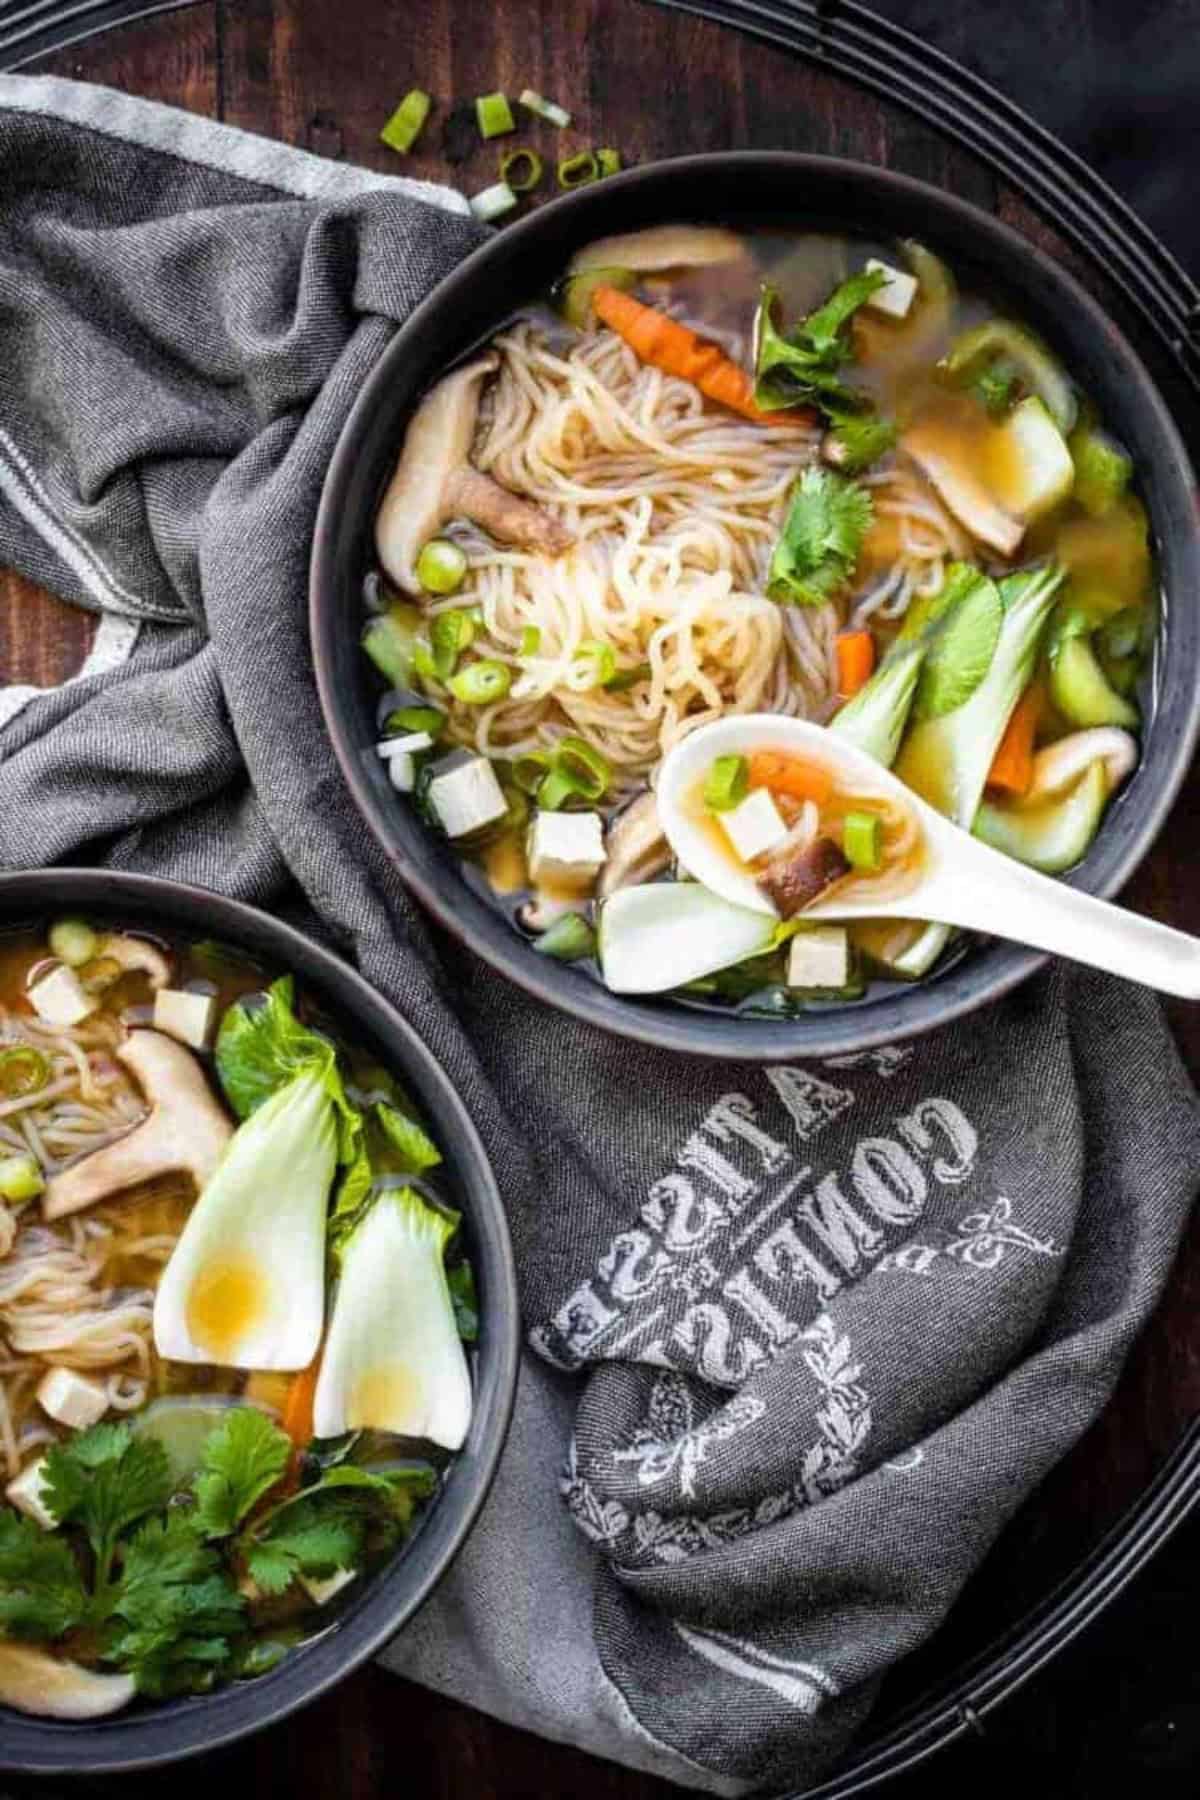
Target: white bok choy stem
[245,1286]
[393,1359]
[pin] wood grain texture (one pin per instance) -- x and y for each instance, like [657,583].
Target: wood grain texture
[324,74]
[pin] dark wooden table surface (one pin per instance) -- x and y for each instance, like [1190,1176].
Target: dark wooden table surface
[324,74]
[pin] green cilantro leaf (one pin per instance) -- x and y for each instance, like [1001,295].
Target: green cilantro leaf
[317,1547]
[823,329]
[862,438]
[804,366]
[244,1457]
[821,538]
[176,1613]
[105,1480]
[41,1592]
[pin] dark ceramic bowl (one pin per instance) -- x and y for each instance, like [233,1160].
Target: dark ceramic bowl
[744,189]
[159,1733]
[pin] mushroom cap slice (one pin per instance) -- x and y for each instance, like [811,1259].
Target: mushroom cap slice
[52,1687]
[637,846]
[436,445]
[661,247]
[137,953]
[185,1129]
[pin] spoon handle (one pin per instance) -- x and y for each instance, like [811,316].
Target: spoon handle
[986,892]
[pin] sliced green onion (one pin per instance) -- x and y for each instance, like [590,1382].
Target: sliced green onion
[575,292]
[556,790]
[493,202]
[568,939]
[624,679]
[23,1070]
[577,171]
[531,641]
[529,771]
[545,109]
[423,663]
[390,639]
[21,1179]
[406,719]
[586,767]
[610,162]
[73,942]
[406,123]
[522,169]
[494,115]
[450,633]
[480,683]
[441,567]
[726,783]
[862,840]
[602,657]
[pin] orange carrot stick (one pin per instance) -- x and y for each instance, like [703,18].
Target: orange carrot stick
[667,345]
[855,651]
[1012,765]
[298,1407]
[784,774]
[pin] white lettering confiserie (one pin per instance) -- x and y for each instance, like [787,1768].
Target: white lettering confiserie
[746,1304]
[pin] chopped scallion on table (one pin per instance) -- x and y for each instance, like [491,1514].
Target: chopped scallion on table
[493,202]
[544,109]
[406,123]
[609,161]
[577,171]
[494,115]
[522,169]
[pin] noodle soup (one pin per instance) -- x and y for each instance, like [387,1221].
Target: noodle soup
[232,1315]
[717,474]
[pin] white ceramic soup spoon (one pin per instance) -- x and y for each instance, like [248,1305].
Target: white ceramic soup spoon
[955,879]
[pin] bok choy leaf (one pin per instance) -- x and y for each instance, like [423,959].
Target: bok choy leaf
[393,1359]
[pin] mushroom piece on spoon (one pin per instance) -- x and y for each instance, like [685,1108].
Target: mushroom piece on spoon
[948,876]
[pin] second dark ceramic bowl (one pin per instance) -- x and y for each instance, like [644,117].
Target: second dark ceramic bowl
[742,190]
[150,1734]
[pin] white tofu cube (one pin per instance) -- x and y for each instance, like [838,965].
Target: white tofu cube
[322,1592]
[565,850]
[25,1493]
[71,1398]
[755,826]
[467,797]
[896,296]
[60,998]
[819,958]
[192,1018]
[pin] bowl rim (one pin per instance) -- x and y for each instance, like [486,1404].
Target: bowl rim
[667,1024]
[193,1725]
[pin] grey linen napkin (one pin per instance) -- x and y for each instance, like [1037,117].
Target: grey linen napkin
[803,1338]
